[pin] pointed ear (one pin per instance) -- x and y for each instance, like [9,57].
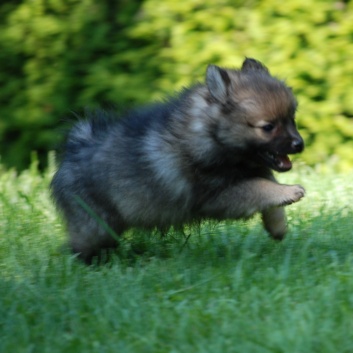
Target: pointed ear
[217,81]
[252,64]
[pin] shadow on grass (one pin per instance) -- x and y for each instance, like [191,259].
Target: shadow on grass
[322,240]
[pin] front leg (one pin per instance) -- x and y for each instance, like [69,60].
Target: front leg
[274,218]
[275,222]
[256,195]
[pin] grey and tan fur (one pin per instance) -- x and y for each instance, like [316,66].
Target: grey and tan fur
[207,153]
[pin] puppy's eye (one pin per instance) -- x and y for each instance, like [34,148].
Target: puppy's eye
[268,127]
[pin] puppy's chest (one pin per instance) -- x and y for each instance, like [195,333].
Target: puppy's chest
[209,181]
[224,172]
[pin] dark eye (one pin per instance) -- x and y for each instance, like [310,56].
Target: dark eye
[268,127]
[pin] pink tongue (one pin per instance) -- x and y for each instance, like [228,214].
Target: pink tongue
[284,161]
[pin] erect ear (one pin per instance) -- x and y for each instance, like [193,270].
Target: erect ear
[217,80]
[252,64]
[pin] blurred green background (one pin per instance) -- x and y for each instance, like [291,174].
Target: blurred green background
[60,56]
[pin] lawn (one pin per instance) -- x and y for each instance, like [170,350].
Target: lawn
[229,288]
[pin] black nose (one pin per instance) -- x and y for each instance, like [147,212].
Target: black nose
[297,145]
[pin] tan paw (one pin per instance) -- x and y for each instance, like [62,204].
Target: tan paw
[292,193]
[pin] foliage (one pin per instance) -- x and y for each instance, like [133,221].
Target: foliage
[229,289]
[62,55]
[57,56]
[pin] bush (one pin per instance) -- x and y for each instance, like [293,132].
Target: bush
[62,55]
[57,56]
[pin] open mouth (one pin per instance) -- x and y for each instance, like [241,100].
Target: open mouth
[276,161]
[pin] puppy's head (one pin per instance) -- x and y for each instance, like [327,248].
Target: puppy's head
[256,114]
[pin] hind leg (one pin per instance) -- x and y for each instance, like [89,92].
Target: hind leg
[88,236]
[88,241]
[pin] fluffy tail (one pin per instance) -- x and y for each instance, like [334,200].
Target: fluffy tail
[89,132]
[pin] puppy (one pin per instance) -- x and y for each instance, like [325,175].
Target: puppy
[207,153]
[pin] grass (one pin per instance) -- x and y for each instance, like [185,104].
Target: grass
[229,289]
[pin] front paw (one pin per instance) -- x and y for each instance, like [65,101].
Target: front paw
[292,193]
